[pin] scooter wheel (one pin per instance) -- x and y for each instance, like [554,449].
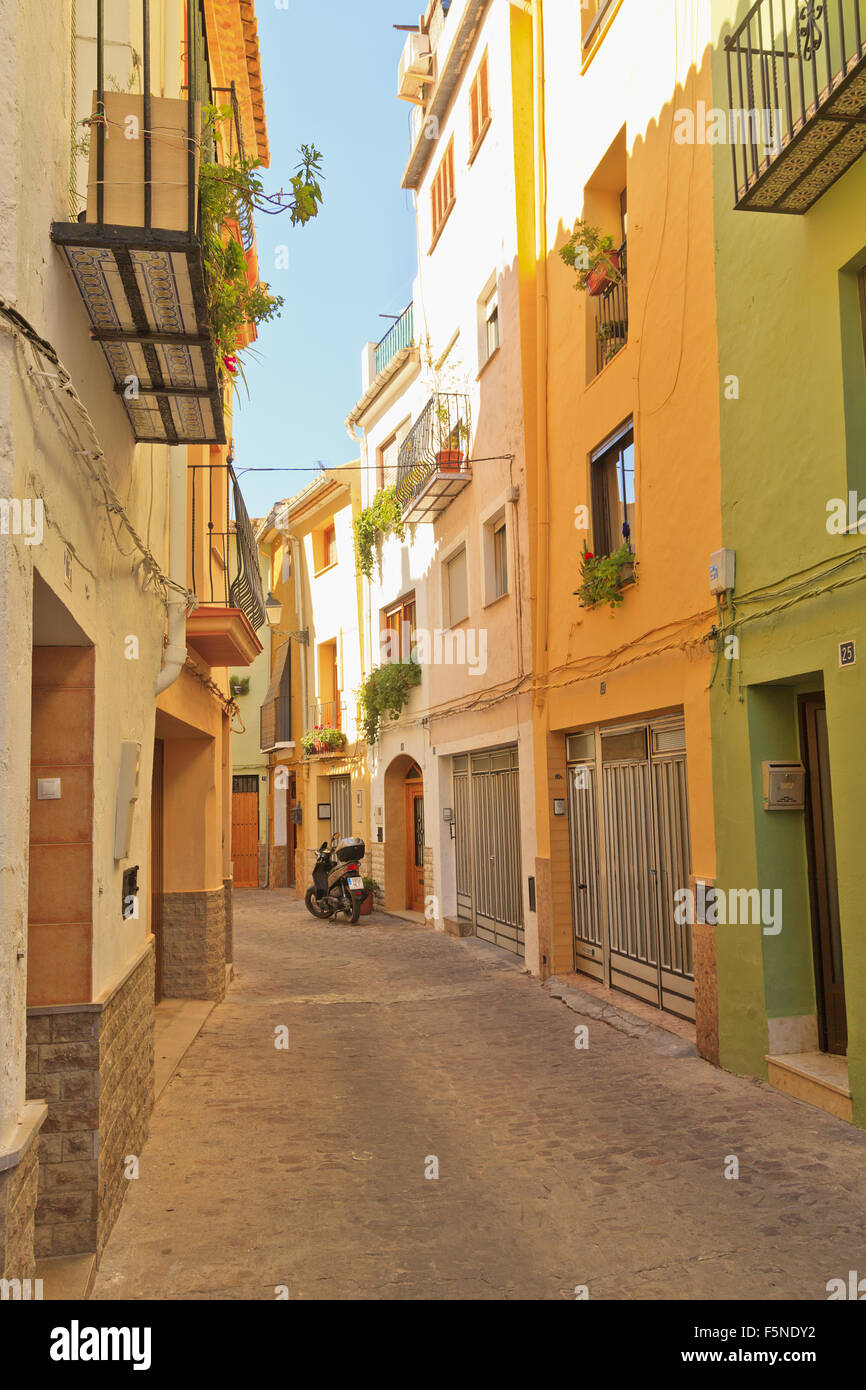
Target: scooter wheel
[313,906]
[352,913]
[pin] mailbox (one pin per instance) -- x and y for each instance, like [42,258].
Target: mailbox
[784,786]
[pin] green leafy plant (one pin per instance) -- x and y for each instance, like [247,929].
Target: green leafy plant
[230,194]
[588,252]
[239,685]
[371,885]
[382,517]
[603,578]
[385,692]
[322,738]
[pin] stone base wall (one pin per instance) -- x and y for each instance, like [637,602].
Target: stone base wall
[263,863]
[18,1196]
[228,889]
[376,856]
[93,1066]
[430,886]
[194,945]
[279,870]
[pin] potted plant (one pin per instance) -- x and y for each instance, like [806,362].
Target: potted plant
[449,455]
[239,685]
[322,738]
[594,257]
[372,887]
[603,578]
[611,338]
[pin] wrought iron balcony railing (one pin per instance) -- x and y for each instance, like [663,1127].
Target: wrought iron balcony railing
[225,571]
[433,464]
[326,714]
[611,322]
[797,96]
[400,335]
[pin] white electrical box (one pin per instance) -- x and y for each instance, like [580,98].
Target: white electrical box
[784,786]
[48,789]
[127,795]
[722,571]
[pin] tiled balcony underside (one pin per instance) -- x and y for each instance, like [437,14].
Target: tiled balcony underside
[821,150]
[137,295]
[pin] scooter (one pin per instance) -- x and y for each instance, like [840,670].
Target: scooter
[337,883]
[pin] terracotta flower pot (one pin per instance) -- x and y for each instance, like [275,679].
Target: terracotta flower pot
[600,279]
[367,905]
[449,460]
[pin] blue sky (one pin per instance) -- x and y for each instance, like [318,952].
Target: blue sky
[330,74]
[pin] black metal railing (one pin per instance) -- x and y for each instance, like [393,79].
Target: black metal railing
[225,569]
[786,62]
[400,335]
[611,322]
[437,442]
[197,65]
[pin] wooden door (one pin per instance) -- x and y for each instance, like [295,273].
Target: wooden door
[415,846]
[245,831]
[823,889]
[156,860]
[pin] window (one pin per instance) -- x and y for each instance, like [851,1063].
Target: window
[442,194]
[324,547]
[500,560]
[398,624]
[456,591]
[388,455]
[479,108]
[491,321]
[613,497]
[495,557]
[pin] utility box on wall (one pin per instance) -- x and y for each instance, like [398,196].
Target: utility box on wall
[784,786]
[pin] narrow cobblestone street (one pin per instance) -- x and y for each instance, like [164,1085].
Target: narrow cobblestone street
[557,1167]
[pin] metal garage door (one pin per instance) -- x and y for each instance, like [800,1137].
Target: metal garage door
[629,856]
[487,816]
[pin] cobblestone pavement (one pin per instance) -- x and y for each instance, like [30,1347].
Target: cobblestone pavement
[557,1167]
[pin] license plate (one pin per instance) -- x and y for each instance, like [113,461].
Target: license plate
[356,883]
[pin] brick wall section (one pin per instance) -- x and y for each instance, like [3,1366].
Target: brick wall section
[93,1067]
[18,1188]
[194,945]
[376,856]
[279,871]
[126,1062]
[228,888]
[429,884]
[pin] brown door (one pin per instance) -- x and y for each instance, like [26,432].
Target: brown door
[823,891]
[245,831]
[415,845]
[156,861]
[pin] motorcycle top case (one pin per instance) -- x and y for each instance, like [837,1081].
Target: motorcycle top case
[351,850]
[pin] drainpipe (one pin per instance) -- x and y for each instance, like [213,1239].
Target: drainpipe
[302,646]
[542,347]
[175,652]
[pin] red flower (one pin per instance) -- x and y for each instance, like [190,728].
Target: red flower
[231,364]
[588,555]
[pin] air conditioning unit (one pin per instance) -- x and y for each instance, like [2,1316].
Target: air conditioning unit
[415,65]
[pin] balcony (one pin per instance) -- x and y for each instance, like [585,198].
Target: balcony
[797,95]
[329,714]
[225,574]
[433,466]
[135,251]
[611,316]
[401,335]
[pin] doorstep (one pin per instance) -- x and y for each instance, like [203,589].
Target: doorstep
[66,1278]
[817,1078]
[673,1036]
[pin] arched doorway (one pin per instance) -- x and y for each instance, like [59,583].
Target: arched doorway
[404,835]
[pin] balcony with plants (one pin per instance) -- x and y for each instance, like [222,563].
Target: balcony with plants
[433,465]
[796,73]
[602,271]
[163,254]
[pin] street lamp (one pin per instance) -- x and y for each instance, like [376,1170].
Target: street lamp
[273,613]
